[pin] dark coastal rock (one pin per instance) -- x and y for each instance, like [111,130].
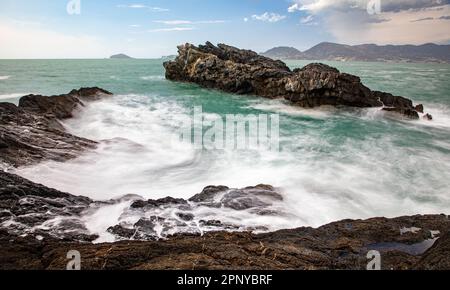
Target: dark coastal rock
[412,114]
[31,132]
[121,231]
[37,210]
[61,106]
[185,216]
[341,245]
[208,193]
[419,108]
[438,257]
[259,196]
[176,215]
[39,225]
[159,202]
[245,72]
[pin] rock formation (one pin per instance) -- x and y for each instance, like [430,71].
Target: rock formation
[39,225]
[31,132]
[245,72]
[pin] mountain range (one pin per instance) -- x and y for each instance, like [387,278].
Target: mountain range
[429,52]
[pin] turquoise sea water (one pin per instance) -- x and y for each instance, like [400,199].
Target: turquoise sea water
[333,164]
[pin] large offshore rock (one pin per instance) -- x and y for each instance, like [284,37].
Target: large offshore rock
[245,72]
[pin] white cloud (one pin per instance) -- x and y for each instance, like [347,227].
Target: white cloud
[36,42]
[172,29]
[142,6]
[317,6]
[181,22]
[210,21]
[269,17]
[349,21]
[173,22]
[355,28]
[306,20]
[294,7]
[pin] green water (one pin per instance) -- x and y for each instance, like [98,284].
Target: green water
[332,164]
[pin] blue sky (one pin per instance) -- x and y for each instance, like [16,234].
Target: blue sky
[152,28]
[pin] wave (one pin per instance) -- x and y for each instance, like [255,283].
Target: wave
[152,78]
[281,107]
[12,96]
[441,116]
[2,78]
[324,174]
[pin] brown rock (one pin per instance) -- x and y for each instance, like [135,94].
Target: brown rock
[245,72]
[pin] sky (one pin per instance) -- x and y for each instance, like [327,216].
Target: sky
[153,28]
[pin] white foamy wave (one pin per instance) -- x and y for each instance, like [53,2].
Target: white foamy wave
[324,177]
[281,107]
[2,78]
[152,78]
[441,116]
[12,96]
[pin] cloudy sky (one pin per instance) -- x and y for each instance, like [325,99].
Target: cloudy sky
[153,28]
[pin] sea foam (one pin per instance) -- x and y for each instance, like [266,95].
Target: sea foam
[326,171]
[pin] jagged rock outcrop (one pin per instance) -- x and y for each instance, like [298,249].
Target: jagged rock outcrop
[27,208]
[31,132]
[177,215]
[245,72]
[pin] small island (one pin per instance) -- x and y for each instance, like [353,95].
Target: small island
[120,56]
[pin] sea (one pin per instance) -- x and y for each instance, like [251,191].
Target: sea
[331,164]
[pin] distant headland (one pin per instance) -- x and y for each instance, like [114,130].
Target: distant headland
[120,56]
[426,53]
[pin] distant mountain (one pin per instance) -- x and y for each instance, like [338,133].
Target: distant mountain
[284,52]
[367,52]
[168,57]
[120,56]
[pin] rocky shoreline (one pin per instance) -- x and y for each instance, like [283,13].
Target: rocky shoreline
[415,242]
[31,132]
[39,225]
[238,71]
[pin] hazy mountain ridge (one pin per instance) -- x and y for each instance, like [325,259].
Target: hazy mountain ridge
[120,56]
[366,52]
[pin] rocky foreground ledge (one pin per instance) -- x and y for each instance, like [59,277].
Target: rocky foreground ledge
[239,71]
[30,239]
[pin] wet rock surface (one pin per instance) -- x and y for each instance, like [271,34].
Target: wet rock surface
[31,132]
[245,72]
[39,225]
[32,209]
[167,216]
[303,248]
